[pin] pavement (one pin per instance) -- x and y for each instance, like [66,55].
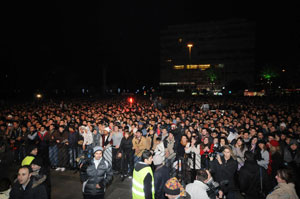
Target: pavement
[67,185]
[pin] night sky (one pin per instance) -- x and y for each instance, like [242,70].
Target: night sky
[65,44]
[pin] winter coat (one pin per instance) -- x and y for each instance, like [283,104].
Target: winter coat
[126,145]
[196,151]
[91,176]
[249,179]
[283,190]
[141,145]
[224,173]
[264,162]
[161,176]
[289,158]
[197,189]
[33,190]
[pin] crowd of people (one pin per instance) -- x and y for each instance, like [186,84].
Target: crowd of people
[242,143]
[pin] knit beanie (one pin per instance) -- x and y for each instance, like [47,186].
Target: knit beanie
[173,187]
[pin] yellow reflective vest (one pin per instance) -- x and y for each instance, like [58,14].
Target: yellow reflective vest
[27,160]
[138,183]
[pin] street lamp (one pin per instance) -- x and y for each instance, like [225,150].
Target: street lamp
[190,46]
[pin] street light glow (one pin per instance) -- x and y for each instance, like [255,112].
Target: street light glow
[190,45]
[39,96]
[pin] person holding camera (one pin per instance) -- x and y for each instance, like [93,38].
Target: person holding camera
[224,169]
[204,186]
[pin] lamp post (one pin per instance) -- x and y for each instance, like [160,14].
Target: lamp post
[190,46]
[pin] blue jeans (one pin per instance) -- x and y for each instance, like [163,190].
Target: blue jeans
[73,154]
[53,155]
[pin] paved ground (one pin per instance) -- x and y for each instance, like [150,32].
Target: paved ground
[67,185]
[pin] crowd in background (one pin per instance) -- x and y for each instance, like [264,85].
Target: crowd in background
[181,133]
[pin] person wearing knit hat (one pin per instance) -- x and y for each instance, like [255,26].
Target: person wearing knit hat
[274,143]
[95,174]
[173,189]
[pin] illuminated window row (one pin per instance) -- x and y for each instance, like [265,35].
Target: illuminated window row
[175,83]
[192,67]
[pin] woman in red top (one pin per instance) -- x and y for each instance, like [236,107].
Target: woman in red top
[206,148]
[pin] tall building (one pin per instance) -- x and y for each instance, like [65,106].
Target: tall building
[208,55]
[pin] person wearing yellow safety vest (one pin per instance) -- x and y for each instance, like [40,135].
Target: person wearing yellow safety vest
[143,180]
[32,153]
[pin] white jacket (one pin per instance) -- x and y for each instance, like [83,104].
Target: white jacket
[197,190]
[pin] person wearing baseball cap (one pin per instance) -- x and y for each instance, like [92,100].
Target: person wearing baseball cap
[95,175]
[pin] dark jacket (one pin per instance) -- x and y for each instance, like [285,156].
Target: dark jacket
[33,190]
[249,179]
[224,173]
[73,139]
[126,145]
[161,176]
[91,176]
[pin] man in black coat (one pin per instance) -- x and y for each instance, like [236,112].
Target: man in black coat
[161,176]
[95,175]
[252,177]
[27,188]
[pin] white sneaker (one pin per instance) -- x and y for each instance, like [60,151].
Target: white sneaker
[58,169]
[63,169]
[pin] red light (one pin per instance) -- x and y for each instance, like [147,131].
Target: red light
[130,100]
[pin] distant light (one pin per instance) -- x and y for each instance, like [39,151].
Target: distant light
[39,96]
[229,92]
[283,70]
[180,40]
[190,45]
[130,100]
[223,87]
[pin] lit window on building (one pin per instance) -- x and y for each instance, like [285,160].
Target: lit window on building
[178,67]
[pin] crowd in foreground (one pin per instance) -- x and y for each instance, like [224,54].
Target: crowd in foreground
[245,145]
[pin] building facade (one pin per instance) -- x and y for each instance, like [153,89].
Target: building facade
[208,55]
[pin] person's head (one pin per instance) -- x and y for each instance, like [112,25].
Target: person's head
[97,152]
[239,142]
[24,174]
[293,144]
[203,175]
[127,134]
[5,184]
[61,128]
[147,157]
[249,156]
[246,135]
[227,151]
[261,144]
[33,150]
[158,140]
[138,134]
[36,164]
[284,176]
[173,188]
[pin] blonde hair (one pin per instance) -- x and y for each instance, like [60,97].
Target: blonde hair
[230,149]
